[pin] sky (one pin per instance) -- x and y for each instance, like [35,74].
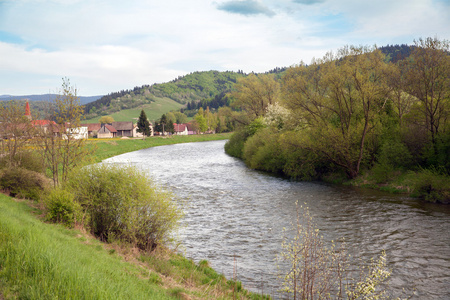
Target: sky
[104,46]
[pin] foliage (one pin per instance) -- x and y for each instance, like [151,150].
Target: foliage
[311,270]
[26,159]
[235,145]
[23,183]
[61,207]
[143,124]
[123,204]
[106,120]
[61,149]
[431,184]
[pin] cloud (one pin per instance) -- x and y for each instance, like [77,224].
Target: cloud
[246,8]
[308,2]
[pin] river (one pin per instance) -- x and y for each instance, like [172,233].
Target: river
[235,218]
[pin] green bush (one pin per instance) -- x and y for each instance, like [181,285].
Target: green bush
[262,151]
[61,207]
[26,159]
[22,183]
[235,145]
[432,185]
[124,204]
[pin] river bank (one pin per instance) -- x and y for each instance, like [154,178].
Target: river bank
[41,261]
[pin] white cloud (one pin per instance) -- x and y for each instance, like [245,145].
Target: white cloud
[105,46]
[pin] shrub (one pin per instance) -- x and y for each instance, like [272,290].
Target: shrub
[235,144]
[61,207]
[432,185]
[262,152]
[26,160]
[22,183]
[123,203]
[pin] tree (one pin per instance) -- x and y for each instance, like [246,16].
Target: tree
[337,101]
[62,149]
[16,131]
[201,120]
[181,118]
[106,120]
[143,124]
[254,93]
[166,125]
[427,72]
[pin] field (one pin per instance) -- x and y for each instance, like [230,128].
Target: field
[154,111]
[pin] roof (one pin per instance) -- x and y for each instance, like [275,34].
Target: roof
[27,110]
[42,122]
[123,125]
[108,127]
[179,127]
[92,126]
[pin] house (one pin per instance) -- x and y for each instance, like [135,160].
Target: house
[106,131]
[123,128]
[139,134]
[180,129]
[191,128]
[93,128]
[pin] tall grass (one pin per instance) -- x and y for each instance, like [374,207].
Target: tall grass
[42,261]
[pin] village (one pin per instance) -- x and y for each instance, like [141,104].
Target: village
[110,130]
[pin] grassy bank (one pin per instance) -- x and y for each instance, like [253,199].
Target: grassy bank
[45,261]
[103,148]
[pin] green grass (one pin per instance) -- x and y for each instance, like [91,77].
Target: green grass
[43,261]
[105,148]
[154,111]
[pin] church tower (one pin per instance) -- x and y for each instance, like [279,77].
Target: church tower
[28,111]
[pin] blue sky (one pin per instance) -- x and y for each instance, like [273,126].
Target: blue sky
[104,46]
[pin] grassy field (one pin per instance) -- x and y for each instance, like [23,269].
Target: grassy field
[105,148]
[154,111]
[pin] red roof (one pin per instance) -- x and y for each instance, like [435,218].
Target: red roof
[42,122]
[179,127]
[110,128]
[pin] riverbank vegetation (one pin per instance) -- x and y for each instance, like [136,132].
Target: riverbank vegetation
[353,116]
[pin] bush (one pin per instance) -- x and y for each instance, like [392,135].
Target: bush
[432,185]
[26,160]
[123,203]
[61,207]
[22,183]
[235,145]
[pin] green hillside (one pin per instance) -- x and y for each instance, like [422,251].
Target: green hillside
[158,99]
[153,110]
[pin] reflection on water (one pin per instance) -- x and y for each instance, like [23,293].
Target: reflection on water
[237,213]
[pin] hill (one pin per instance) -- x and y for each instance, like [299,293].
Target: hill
[195,87]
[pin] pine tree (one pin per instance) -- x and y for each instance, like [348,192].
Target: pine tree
[143,124]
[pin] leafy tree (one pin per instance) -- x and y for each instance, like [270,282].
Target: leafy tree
[427,73]
[338,100]
[106,120]
[254,93]
[62,149]
[143,124]
[201,121]
[181,118]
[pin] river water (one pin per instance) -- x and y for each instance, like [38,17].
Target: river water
[235,218]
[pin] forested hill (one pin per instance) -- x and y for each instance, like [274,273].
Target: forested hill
[184,89]
[395,53]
